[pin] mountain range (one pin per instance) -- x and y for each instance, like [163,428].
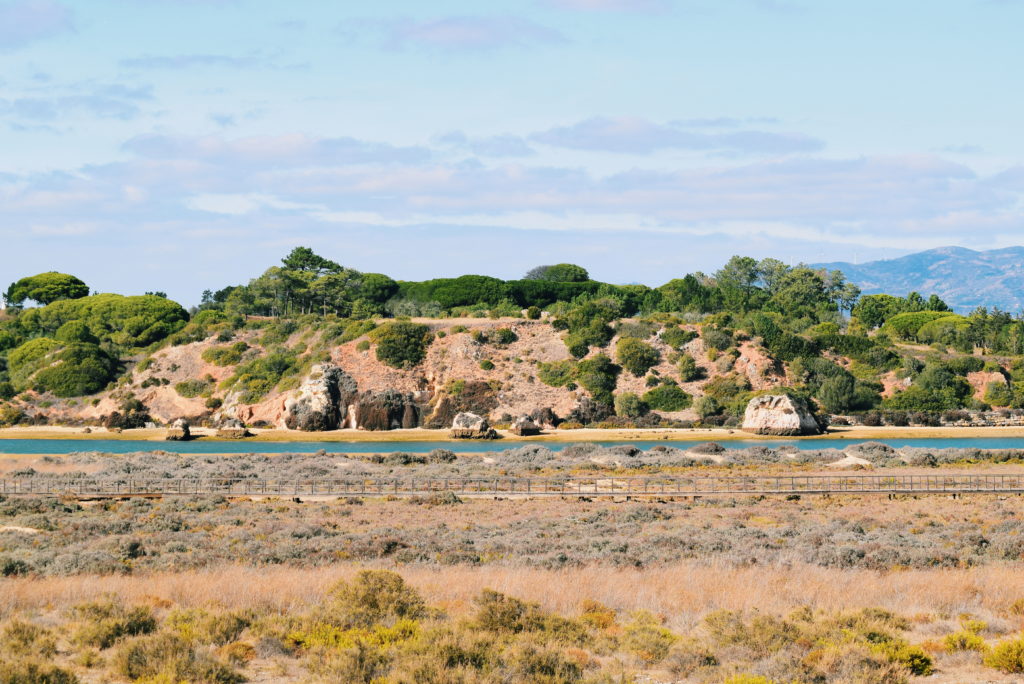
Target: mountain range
[964,278]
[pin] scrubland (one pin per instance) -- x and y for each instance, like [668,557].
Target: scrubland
[440,589]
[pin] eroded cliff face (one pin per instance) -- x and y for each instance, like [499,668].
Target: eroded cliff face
[350,388]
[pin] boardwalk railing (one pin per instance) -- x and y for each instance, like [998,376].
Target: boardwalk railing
[532,486]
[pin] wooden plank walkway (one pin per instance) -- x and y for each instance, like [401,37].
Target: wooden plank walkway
[525,486]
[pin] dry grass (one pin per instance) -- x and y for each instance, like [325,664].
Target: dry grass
[682,593]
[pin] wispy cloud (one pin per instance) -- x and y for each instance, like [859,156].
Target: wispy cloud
[612,5]
[634,135]
[505,145]
[294,150]
[112,101]
[455,33]
[26,21]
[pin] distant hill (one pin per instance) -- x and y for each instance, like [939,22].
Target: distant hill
[964,278]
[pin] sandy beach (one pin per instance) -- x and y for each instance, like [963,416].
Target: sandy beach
[579,435]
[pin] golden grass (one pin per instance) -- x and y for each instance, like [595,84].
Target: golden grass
[683,592]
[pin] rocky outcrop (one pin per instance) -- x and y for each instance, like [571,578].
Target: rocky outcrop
[524,427]
[779,414]
[587,411]
[387,410]
[179,431]
[472,426]
[321,402]
[232,428]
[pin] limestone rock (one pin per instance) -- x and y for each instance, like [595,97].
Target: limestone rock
[322,400]
[232,428]
[779,414]
[524,427]
[471,426]
[179,431]
[386,410]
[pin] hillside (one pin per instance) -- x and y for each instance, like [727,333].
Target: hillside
[964,278]
[314,346]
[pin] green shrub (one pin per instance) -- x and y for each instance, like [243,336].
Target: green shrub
[533,313]
[225,356]
[557,373]
[499,613]
[676,337]
[706,406]
[905,326]
[667,398]
[363,345]
[46,288]
[126,322]
[374,597]
[717,339]
[401,344]
[964,640]
[73,370]
[213,403]
[688,368]
[647,639]
[505,336]
[192,388]
[256,378]
[486,364]
[1007,656]
[636,356]
[629,405]
[598,375]
[998,394]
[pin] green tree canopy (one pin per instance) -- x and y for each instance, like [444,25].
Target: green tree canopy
[45,288]
[560,273]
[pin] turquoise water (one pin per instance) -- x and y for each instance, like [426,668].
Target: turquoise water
[67,446]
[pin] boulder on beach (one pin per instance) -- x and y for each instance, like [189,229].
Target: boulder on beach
[779,414]
[472,426]
[524,427]
[179,431]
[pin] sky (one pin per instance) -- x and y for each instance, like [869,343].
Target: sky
[180,145]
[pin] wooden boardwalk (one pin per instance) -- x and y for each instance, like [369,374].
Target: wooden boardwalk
[665,486]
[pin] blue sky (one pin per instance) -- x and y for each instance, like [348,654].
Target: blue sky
[185,144]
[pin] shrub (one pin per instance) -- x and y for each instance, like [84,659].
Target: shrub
[169,657]
[1007,656]
[192,388]
[598,375]
[214,403]
[533,313]
[106,622]
[629,405]
[27,672]
[667,398]
[706,406]
[401,344]
[486,364]
[647,639]
[373,597]
[505,336]
[677,338]
[998,394]
[717,339]
[258,377]
[24,640]
[363,345]
[225,356]
[497,612]
[688,368]
[636,356]
[964,640]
